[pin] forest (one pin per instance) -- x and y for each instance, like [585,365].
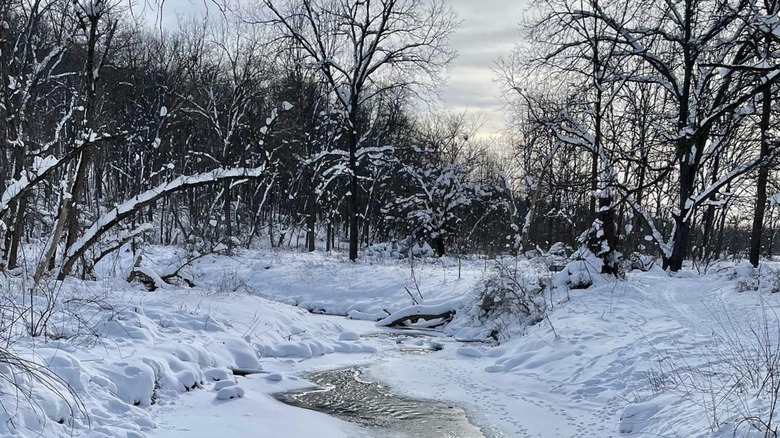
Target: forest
[633,128]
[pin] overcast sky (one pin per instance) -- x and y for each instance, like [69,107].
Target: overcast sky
[489,31]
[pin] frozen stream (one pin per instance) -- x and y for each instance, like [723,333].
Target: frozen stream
[344,394]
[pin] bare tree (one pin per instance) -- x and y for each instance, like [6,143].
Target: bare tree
[437,186]
[29,61]
[225,96]
[575,47]
[695,53]
[363,49]
[765,47]
[699,59]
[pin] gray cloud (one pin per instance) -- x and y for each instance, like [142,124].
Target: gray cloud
[489,30]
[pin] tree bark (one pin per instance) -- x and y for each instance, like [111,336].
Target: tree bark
[226,212]
[311,221]
[761,183]
[18,230]
[441,249]
[674,262]
[353,184]
[685,147]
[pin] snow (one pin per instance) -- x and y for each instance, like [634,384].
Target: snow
[223,384]
[197,415]
[349,336]
[431,309]
[469,351]
[230,393]
[274,377]
[158,282]
[40,166]
[604,361]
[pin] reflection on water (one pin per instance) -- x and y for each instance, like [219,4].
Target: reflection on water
[343,394]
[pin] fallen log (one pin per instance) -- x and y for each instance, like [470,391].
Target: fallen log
[434,315]
[148,278]
[243,372]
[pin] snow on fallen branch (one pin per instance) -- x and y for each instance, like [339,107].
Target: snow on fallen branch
[147,277]
[126,209]
[435,315]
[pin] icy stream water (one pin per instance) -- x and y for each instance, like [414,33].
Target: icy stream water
[345,394]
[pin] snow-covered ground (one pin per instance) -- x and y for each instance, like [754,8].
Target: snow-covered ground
[654,355]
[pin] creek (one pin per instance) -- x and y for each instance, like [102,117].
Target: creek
[347,394]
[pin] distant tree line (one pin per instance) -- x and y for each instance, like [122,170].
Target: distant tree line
[287,122]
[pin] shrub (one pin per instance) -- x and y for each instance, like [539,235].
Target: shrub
[764,279]
[641,262]
[511,299]
[738,387]
[583,269]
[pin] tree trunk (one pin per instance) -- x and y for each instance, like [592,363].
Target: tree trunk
[441,249]
[608,254]
[687,153]
[329,236]
[353,185]
[21,209]
[311,221]
[682,232]
[226,212]
[47,260]
[722,228]
[709,215]
[761,184]
[78,193]
[13,251]
[78,188]
[594,173]
[142,200]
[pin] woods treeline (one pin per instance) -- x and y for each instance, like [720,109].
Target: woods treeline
[657,120]
[311,124]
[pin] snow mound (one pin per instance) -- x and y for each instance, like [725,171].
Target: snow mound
[363,316]
[582,271]
[765,279]
[134,382]
[223,384]
[217,374]
[230,393]
[66,367]
[312,348]
[349,336]
[241,354]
